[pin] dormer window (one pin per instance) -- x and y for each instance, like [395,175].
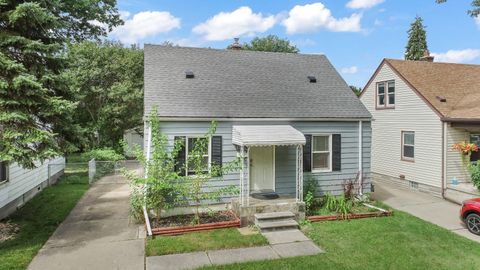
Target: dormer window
[386,95]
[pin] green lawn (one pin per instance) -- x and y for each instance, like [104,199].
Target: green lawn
[200,241]
[398,242]
[39,218]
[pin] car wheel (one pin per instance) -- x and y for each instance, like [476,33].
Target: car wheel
[473,223]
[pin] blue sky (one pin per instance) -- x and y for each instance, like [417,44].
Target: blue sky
[354,34]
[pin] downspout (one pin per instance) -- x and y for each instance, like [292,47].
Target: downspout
[149,145]
[444,158]
[360,157]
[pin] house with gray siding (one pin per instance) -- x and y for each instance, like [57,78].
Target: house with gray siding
[18,185]
[420,110]
[289,117]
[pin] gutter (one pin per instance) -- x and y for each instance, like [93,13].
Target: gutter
[444,158]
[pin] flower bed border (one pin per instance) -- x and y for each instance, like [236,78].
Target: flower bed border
[195,228]
[350,216]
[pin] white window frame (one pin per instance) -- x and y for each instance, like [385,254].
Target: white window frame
[403,145]
[187,172]
[387,94]
[329,169]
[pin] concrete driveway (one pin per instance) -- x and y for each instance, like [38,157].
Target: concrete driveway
[97,234]
[427,207]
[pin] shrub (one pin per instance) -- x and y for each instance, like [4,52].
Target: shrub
[475,173]
[309,193]
[103,154]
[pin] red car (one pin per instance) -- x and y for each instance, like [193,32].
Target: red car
[470,215]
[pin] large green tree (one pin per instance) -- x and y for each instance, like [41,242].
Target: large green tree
[270,43]
[107,79]
[474,12]
[36,103]
[417,40]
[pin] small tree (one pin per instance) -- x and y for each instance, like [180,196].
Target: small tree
[356,90]
[200,173]
[270,43]
[161,189]
[417,40]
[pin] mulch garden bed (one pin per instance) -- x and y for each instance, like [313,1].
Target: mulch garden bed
[184,223]
[359,211]
[8,231]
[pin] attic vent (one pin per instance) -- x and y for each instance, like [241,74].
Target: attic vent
[312,79]
[189,74]
[441,98]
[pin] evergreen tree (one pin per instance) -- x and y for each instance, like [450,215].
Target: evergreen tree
[417,40]
[36,103]
[474,12]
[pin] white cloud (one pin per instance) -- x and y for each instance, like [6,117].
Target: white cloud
[457,56]
[145,24]
[227,25]
[349,70]
[356,4]
[315,17]
[124,14]
[477,21]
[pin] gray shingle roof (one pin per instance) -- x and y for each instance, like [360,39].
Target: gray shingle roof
[245,84]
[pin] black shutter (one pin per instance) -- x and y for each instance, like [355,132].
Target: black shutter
[216,151]
[307,154]
[180,162]
[3,171]
[337,152]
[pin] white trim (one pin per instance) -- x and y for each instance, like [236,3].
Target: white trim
[412,145]
[329,151]
[270,119]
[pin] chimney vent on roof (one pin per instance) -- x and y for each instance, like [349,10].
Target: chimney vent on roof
[312,79]
[189,74]
[426,56]
[442,98]
[235,45]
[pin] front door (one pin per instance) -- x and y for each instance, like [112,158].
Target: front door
[262,168]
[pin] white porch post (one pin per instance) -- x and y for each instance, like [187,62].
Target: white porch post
[244,176]
[241,175]
[299,174]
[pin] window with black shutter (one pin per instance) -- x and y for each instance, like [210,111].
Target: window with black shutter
[181,156]
[3,171]
[307,154]
[336,152]
[216,151]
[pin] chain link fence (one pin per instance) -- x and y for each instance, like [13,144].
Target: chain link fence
[92,171]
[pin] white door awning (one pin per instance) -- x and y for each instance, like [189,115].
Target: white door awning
[263,135]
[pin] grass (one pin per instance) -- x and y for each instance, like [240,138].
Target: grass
[200,241]
[39,218]
[398,242]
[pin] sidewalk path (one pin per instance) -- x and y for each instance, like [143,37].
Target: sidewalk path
[98,233]
[283,244]
[425,206]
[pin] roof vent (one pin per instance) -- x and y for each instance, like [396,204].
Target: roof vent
[189,74]
[442,98]
[312,79]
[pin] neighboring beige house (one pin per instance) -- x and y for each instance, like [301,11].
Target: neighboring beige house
[420,109]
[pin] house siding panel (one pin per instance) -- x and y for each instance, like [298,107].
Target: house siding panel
[411,113]
[21,181]
[454,165]
[285,156]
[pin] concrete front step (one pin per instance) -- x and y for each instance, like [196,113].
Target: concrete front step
[274,216]
[275,225]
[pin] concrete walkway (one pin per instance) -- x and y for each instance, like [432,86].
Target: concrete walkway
[283,244]
[97,234]
[427,207]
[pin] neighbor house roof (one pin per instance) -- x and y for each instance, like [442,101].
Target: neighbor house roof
[245,84]
[457,84]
